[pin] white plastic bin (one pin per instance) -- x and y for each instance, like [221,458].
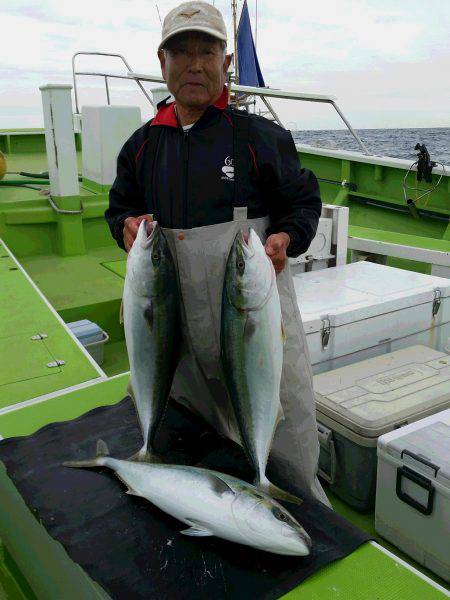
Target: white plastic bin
[413,491]
[91,336]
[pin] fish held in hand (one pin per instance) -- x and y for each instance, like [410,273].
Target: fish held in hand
[150,313]
[210,503]
[252,339]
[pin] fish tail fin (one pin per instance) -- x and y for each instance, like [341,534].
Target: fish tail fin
[98,461]
[145,455]
[269,488]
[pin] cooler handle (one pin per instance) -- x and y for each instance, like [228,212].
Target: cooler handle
[422,482]
[326,440]
[421,459]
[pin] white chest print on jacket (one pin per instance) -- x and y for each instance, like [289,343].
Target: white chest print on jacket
[228,169]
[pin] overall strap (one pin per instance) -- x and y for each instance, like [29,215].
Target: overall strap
[241,167]
[151,201]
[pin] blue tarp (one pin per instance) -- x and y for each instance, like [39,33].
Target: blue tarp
[248,64]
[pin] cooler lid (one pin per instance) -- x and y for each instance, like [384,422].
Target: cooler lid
[86,331]
[361,290]
[424,446]
[76,324]
[376,395]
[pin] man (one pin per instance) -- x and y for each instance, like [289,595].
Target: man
[204,171]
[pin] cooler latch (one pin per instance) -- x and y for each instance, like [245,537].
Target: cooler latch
[326,441]
[437,302]
[326,332]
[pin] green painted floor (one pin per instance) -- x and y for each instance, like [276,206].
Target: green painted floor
[72,281]
[366,574]
[25,369]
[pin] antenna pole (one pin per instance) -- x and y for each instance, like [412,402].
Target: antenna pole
[236,65]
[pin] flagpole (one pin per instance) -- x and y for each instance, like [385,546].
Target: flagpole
[236,67]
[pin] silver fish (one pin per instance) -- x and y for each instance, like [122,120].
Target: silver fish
[210,503]
[150,311]
[252,339]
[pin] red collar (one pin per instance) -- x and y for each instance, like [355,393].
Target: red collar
[166,112]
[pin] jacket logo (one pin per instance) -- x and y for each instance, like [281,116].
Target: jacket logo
[228,169]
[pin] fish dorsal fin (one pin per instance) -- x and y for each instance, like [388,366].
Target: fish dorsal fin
[220,486]
[102,448]
[196,532]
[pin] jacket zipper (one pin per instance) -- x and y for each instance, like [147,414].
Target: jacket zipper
[185,176]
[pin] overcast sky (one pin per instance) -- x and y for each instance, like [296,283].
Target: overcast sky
[387,61]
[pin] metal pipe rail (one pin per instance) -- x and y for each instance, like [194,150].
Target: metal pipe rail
[264,93]
[273,93]
[105,75]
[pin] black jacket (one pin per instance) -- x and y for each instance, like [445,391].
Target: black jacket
[186,179]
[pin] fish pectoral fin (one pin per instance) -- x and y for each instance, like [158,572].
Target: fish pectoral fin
[220,486]
[280,414]
[121,313]
[196,532]
[249,328]
[148,314]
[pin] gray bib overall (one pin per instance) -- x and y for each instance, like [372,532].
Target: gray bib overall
[200,256]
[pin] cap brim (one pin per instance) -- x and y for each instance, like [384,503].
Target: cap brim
[211,32]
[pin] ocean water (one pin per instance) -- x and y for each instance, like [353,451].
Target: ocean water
[398,143]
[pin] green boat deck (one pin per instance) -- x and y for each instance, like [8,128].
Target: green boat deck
[368,573]
[77,271]
[24,369]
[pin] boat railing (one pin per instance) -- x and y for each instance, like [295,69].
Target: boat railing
[101,74]
[262,92]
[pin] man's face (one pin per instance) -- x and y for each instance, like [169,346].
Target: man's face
[195,68]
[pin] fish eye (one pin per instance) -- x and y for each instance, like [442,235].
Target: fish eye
[281,516]
[155,256]
[240,264]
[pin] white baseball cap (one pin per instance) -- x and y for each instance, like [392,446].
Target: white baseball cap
[194,16]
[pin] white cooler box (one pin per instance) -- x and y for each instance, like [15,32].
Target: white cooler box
[413,491]
[357,311]
[358,403]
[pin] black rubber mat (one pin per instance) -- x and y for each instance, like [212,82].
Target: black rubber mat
[130,547]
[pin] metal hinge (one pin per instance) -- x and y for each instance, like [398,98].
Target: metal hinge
[437,302]
[56,363]
[326,331]
[39,336]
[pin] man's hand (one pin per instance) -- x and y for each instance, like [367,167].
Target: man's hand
[130,229]
[275,247]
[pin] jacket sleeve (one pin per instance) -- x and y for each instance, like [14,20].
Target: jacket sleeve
[125,198]
[292,194]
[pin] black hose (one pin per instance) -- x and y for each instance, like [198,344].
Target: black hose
[43,175]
